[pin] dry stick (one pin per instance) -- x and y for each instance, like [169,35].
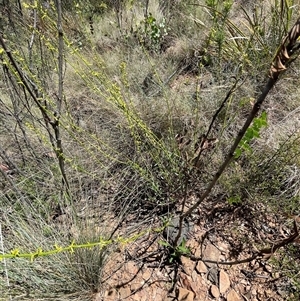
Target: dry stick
[280,63]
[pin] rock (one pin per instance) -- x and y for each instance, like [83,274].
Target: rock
[131,268]
[136,297]
[193,244]
[213,275]
[212,253]
[186,282]
[224,282]
[168,298]
[146,275]
[201,267]
[185,295]
[187,264]
[195,276]
[144,298]
[171,231]
[215,291]
[276,275]
[135,286]
[233,296]
[223,247]
[268,268]
[198,252]
[124,292]
[241,288]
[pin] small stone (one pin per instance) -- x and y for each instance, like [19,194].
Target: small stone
[223,247]
[145,297]
[215,291]
[201,267]
[131,268]
[185,295]
[276,275]
[213,276]
[211,253]
[194,276]
[198,252]
[124,292]
[222,257]
[136,297]
[281,292]
[146,275]
[233,296]
[187,264]
[193,244]
[241,288]
[224,282]
[135,286]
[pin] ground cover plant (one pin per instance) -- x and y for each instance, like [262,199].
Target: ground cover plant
[122,120]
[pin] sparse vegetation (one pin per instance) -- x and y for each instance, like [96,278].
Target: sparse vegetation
[118,117]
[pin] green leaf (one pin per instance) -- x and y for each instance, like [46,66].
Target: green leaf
[164,243]
[256,134]
[237,153]
[247,147]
